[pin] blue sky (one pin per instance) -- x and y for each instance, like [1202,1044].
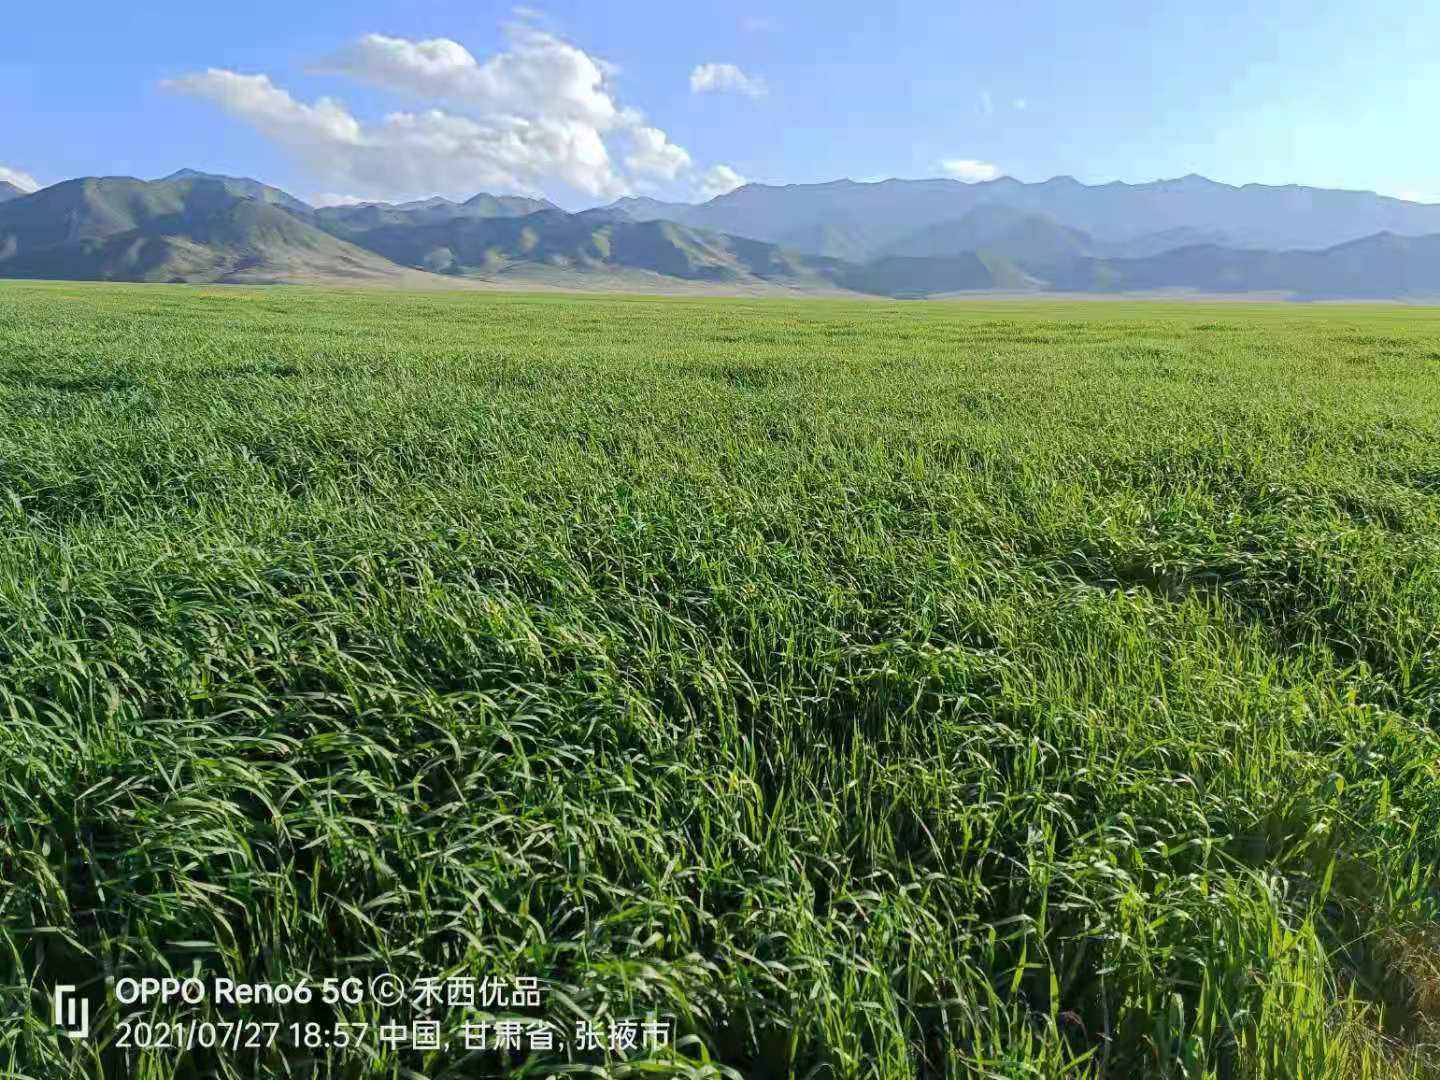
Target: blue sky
[583,101]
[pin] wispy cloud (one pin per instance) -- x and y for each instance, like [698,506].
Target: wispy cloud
[721,78]
[987,104]
[1020,104]
[330,198]
[719,180]
[23,180]
[969,169]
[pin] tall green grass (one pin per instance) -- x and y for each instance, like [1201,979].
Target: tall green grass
[883,690]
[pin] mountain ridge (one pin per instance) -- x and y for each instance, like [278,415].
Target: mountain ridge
[1006,235]
[590,241]
[183,228]
[1251,215]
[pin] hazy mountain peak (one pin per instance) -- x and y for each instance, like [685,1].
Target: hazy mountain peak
[508,204]
[1190,182]
[861,220]
[242,186]
[644,208]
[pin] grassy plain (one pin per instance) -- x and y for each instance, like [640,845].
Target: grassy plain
[884,690]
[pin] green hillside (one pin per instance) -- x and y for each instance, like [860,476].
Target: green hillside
[591,242]
[853,241]
[245,188]
[1379,266]
[1031,240]
[906,277]
[189,228]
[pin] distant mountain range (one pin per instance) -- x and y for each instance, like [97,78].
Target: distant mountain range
[366,216]
[872,217]
[898,238]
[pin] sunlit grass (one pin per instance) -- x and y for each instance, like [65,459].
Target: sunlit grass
[1012,690]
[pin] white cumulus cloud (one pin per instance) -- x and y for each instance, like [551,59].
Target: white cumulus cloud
[653,154]
[540,112]
[540,75]
[23,180]
[969,170]
[723,78]
[420,152]
[719,180]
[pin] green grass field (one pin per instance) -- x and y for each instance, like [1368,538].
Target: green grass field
[881,690]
